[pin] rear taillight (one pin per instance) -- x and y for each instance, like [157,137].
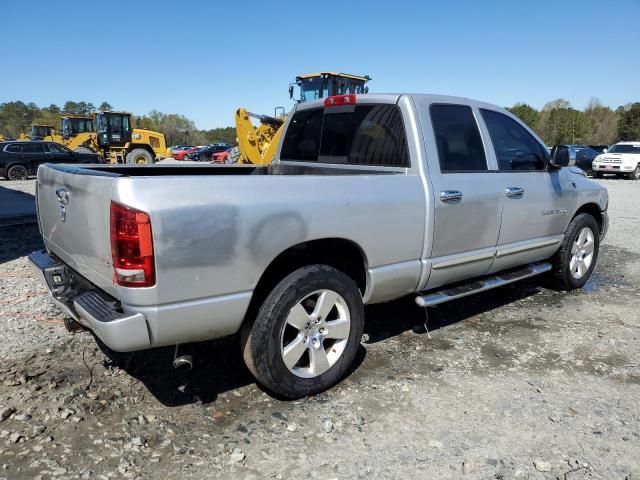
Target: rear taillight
[336,100]
[132,247]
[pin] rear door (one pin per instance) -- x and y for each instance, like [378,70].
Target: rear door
[536,199]
[467,195]
[33,154]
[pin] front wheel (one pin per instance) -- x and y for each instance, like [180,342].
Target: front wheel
[596,174]
[575,260]
[635,175]
[307,332]
[139,156]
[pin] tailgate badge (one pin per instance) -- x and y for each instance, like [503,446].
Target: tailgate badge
[63,197]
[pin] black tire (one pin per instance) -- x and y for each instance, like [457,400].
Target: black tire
[635,175]
[17,172]
[262,340]
[139,156]
[562,276]
[597,175]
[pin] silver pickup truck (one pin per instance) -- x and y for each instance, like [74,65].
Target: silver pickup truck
[370,198]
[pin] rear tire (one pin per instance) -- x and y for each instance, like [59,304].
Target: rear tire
[574,262]
[139,156]
[306,333]
[17,172]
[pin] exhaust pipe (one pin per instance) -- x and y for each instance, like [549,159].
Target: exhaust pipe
[182,362]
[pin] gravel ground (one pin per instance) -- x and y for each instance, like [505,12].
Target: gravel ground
[520,382]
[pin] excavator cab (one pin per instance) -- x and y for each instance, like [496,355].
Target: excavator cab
[38,132]
[113,128]
[73,126]
[326,84]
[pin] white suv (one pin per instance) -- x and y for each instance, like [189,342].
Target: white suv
[623,158]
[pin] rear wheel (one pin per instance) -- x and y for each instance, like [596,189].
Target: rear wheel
[139,156]
[575,260]
[307,332]
[17,172]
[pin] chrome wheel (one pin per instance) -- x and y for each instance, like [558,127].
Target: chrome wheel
[18,172]
[582,253]
[315,333]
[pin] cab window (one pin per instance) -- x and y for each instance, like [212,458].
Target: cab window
[458,139]
[515,148]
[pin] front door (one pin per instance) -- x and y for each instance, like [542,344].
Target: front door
[537,199]
[467,196]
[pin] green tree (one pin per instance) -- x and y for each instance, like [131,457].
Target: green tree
[629,123]
[560,123]
[527,114]
[17,117]
[105,106]
[600,123]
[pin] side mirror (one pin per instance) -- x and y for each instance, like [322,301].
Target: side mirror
[291,91]
[562,156]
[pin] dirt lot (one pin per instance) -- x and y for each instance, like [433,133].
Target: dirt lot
[519,382]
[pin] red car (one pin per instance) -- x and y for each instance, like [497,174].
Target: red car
[183,153]
[221,157]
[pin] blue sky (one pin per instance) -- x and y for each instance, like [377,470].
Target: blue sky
[204,59]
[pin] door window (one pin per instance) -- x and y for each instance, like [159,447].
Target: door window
[515,148]
[53,148]
[458,139]
[32,148]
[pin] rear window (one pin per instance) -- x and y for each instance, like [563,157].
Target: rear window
[364,135]
[32,148]
[14,148]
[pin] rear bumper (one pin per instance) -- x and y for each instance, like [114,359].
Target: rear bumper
[90,307]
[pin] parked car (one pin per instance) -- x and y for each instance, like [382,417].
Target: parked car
[183,153]
[584,157]
[221,157]
[20,159]
[599,148]
[622,159]
[205,153]
[369,199]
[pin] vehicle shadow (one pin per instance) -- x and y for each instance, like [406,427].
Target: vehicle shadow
[218,365]
[18,241]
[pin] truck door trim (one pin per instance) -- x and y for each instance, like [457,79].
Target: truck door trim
[530,246]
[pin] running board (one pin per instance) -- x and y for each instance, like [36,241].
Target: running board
[487,283]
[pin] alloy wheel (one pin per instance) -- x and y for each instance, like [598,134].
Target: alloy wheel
[315,333]
[582,253]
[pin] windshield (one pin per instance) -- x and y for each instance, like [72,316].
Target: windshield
[622,148]
[312,89]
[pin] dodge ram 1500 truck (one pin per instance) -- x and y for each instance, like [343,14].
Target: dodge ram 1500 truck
[370,198]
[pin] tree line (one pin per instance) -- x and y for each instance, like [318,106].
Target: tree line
[17,117]
[558,122]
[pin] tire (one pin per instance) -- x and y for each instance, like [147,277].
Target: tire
[293,300]
[17,172]
[569,270]
[635,175]
[597,175]
[139,156]
[186,157]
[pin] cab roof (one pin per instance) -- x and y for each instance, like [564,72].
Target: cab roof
[366,78]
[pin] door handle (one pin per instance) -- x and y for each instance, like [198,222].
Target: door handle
[514,192]
[450,196]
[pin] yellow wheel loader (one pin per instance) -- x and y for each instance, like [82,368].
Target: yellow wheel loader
[257,145]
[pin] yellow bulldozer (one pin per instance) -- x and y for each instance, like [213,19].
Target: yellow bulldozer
[109,134]
[257,144]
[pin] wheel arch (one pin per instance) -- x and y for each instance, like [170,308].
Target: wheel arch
[339,253]
[594,210]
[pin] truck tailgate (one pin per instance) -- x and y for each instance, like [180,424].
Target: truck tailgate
[73,213]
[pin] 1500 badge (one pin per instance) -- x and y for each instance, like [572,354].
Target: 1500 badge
[559,211]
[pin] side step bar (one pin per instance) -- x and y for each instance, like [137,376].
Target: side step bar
[481,285]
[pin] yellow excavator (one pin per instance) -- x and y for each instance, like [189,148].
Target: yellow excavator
[257,145]
[109,134]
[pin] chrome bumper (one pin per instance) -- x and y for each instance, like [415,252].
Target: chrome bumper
[91,307]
